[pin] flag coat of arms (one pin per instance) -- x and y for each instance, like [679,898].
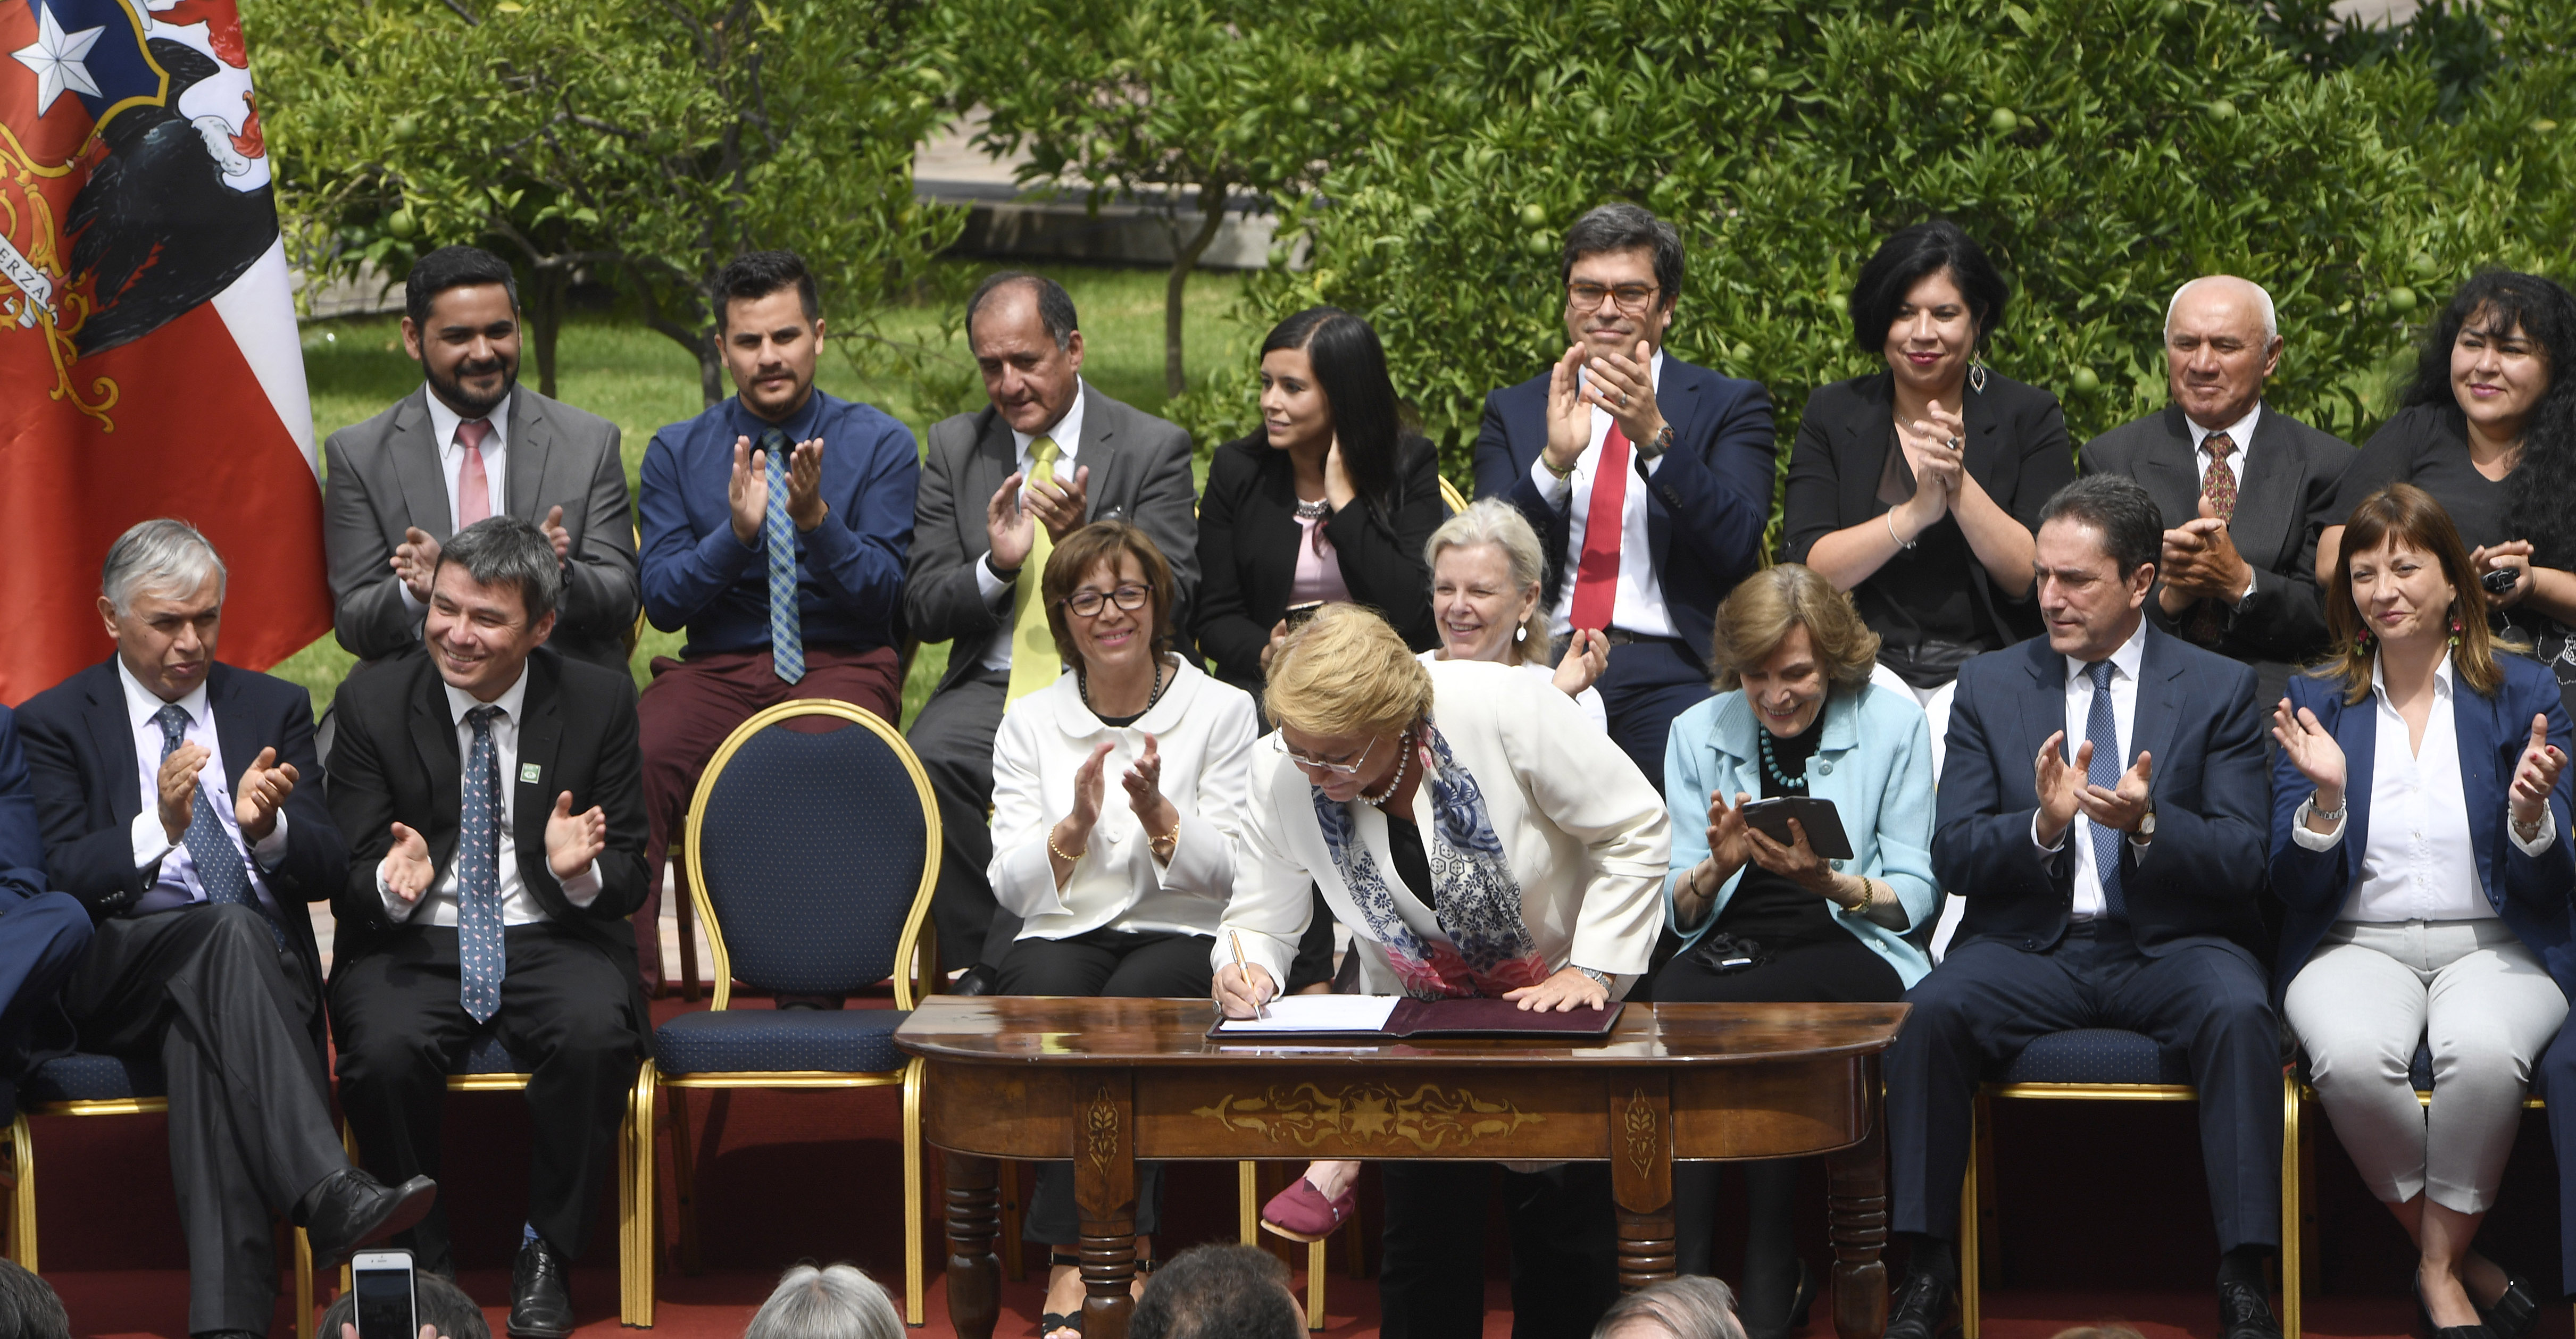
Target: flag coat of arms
[149,363]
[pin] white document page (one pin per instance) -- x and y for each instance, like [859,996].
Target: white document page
[1317,1013]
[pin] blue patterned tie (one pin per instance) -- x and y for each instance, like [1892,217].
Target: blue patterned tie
[482,957]
[2102,728]
[786,629]
[220,868]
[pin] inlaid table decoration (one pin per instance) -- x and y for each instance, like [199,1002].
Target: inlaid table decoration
[1105,1082]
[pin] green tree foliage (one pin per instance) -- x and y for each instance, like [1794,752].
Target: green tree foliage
[1174,103]
[647,141]
[2103,151]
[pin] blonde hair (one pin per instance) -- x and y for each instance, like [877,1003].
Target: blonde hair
[1757,617]
[1499,523]
[1346,673]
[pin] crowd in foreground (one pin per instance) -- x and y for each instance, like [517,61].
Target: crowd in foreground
[2212,725]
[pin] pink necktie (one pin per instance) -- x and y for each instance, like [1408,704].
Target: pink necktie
[473,487]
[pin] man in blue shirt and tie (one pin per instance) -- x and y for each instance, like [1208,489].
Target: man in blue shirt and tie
[775,529]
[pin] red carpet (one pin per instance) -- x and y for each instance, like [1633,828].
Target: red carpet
[2101,1213]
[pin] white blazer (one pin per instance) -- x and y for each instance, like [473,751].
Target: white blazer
[1204,730]
[1584,833]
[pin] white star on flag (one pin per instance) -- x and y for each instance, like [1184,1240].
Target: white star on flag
[56,58]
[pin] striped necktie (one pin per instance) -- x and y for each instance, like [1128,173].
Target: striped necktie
[220,868]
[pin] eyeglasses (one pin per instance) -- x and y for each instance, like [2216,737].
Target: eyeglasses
[1087,602]
[1632,298]
[1280,742]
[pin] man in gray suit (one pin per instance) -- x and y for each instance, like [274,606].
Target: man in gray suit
[998,487]
[2244,488]
[469,444]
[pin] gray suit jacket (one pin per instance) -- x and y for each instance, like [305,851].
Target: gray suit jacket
[383,477]
[2284,498]
[1140,473]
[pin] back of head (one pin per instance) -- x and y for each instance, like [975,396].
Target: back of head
[754,275]
[453,267]
[28,1307]
[1689,1307]
[1218,1292]
[832,1302]
[437,1302]
[1346,673]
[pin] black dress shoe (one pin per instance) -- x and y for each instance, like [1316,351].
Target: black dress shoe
[1921,1307]
[540,1295]
[351,1210]
[976,980]
[2245,1313]
[2513,1314]
[1802,1298]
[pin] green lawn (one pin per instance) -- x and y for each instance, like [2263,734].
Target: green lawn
[641,381]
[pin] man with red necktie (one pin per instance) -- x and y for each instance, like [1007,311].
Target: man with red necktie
[1647,478]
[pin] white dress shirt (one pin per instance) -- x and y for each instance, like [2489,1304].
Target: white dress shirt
[176,884]
[1067,435]
[1204,731]
[451,454]
[2419,863]
[1638,604]
[2079,716]
[518,905]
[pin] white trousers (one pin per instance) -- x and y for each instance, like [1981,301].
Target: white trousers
[1936,711]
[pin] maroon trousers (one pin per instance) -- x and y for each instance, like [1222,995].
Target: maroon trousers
[689,709]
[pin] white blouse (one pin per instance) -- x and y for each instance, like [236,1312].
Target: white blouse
[1204,731]
[1594,710]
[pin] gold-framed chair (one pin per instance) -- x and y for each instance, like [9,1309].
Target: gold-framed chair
[785,821]
[1450,497]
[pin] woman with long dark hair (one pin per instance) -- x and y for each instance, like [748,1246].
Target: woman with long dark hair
[2488,428]
[1332,500]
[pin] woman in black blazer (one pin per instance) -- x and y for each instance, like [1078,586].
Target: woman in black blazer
[1918,489]
[1330,501]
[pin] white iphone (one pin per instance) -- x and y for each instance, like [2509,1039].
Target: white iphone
[382,1281]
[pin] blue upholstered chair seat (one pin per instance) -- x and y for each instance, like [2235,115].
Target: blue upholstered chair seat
[488,1056]
[2420,1072]
[733,1041]
[2096,1055]
[86,1076]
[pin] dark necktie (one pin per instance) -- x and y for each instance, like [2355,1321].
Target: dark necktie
[220,868]
[786,625]
[2102,730]
[2208,621]
[483,959]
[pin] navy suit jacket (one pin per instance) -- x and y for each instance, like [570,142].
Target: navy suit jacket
[2195,884]
[22,841]
[2530,893]
[1705,505]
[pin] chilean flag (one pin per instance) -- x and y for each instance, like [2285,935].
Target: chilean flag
[149,363]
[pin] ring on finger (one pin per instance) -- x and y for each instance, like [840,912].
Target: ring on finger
[1953,443]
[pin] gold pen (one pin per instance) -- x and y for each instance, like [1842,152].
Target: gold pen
[1245,972]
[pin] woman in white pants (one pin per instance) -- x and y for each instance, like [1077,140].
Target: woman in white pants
[2420,843]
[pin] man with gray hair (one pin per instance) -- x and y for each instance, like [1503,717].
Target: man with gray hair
[1219,1291]
[181,803]
[2244,488]
[494,798]
[832,1302]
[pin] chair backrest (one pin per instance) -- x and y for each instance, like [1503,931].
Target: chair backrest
[812,853]
[1451,498]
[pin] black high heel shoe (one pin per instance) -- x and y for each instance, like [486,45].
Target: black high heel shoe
[1801,1300]
[2513,1313]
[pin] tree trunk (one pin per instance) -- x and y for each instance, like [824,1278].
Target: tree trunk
[1184,259]
[710,369]
[545,321]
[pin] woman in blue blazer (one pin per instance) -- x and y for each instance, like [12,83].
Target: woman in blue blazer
[1762,920]
[2420,844]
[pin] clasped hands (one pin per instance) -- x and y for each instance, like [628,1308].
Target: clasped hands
[265,784]
[1143,781]
[1012,526]
[2199,562]
[415,560]
[1940,470]
[2064,792]
[1621,386]
[748,489]
[572,842]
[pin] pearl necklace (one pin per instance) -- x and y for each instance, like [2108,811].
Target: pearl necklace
[1403,761]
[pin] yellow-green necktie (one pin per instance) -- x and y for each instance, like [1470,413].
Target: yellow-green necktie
[1035,662]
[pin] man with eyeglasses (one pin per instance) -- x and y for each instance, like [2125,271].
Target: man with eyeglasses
[1647,478]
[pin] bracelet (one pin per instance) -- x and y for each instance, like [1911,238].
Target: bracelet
[1867,895]
[1901,541]
[1566,473]
[1168,842]
[1059,852]
[2334,816]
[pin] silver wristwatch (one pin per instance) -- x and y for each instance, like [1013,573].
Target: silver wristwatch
[1601,979]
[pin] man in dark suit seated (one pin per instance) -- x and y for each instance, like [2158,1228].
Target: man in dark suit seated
[1654,515]
[2104,814]
[182,805]
[43,934]
[2244,488]
[471,443]
[998,488]
[494,795]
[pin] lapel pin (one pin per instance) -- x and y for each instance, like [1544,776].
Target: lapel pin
[529,773]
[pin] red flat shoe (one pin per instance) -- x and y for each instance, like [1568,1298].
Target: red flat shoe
[1301,1213]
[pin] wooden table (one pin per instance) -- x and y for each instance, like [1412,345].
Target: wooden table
[1105,1082]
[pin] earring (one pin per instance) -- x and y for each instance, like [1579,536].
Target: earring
[1521,633]
[2455,632]
[1977,376]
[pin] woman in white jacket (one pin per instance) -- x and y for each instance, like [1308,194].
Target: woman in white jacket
[1120,894]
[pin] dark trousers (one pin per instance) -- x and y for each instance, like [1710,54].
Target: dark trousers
[1843,971]
[566,1013]
[1564,1233]
[1989,999]
[2554,1082]
[1110,964]
[687,711]
[42,941]
[206,989]
[953,737]
[1646,684]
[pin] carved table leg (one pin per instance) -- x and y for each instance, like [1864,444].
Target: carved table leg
[1856,1214]
[974,1219]
[1104,1187]
[1641,1178]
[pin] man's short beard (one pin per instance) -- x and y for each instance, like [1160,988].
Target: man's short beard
[451,389]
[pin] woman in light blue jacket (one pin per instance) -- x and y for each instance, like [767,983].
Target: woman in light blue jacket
[1766,920]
